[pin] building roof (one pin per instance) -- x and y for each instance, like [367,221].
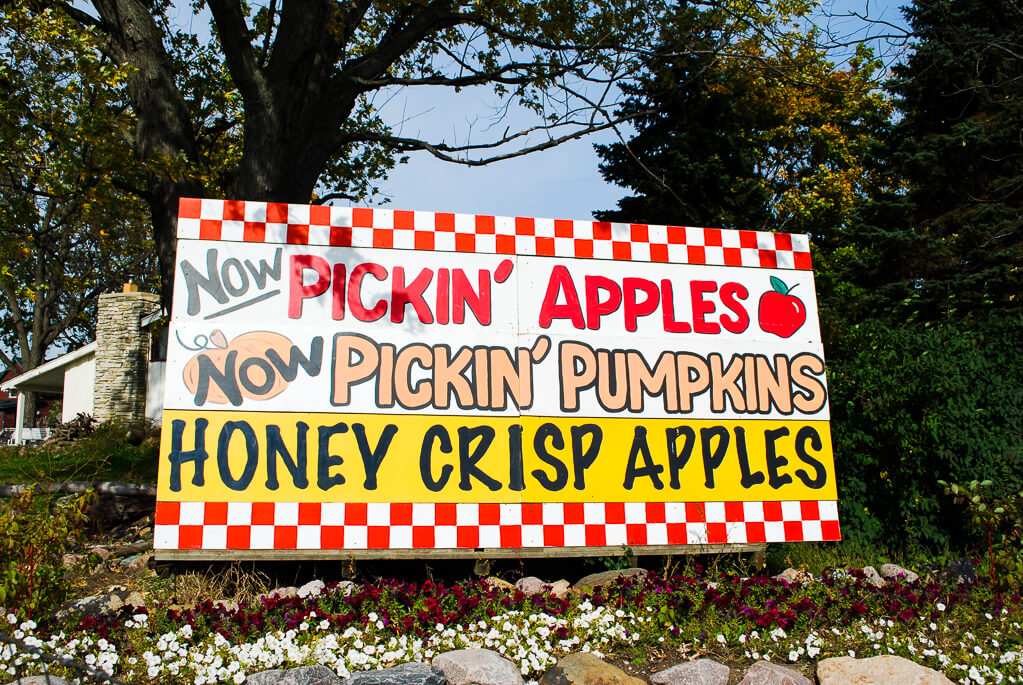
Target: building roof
[48,377]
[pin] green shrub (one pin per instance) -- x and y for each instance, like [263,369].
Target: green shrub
[914,405]
[33,539]
[997,516]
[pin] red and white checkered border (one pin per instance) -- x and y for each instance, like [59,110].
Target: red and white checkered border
[271,222]
[382,525]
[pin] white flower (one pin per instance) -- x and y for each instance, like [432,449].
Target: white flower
[939,606]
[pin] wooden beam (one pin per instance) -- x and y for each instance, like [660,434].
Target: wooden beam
[480,553]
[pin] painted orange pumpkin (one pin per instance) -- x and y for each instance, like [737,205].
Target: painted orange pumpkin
[255,374]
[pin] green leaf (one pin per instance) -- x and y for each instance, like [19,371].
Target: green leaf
[779,285]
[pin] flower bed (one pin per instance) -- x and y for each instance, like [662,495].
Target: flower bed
[967,632]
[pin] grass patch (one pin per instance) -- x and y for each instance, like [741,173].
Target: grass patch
[115,450]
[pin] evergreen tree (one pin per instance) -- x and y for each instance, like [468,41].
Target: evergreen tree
[772,144]
[947,237]
[921,304]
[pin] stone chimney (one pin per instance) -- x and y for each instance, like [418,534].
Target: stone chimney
[122,354]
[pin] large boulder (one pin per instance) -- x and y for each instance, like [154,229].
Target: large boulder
[98,606]
[877,670]
[873,577]
[895,572]
[346,587]
[405,674]
[793,576]
[594,580]
[477,667]
[303,675]
[583,668]
[698,672]
[311,589]
[531,585]
[766,673]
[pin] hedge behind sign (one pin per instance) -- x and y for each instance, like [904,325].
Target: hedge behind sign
[353,379]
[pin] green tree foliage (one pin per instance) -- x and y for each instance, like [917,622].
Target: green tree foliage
[68,229]
[915,219]
[773,143]
[921,301]
[947,237]
[914,405]
[309,76]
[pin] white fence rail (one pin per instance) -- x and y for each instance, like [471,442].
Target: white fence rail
[10,437]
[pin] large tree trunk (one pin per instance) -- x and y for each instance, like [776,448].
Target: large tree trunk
[164,130]
[295,103]
[294,109]
[163,204]
[31,402]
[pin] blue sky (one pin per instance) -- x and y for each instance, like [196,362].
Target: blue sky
[562,183]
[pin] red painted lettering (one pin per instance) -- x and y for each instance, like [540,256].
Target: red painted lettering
[731,293]
[298,291]
[702,307]
[668,310]
[561,282]
[596,307]
[355,292]
[402,295]
[636,308]
[462,294]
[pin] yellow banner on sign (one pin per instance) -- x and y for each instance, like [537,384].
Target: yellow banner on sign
[293,457]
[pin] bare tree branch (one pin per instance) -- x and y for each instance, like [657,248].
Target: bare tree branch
[446,152]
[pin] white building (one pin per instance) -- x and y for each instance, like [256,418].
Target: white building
[118,375]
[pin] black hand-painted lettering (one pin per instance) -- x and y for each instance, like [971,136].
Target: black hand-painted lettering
[774,460]
[198,454]
[650,470]
[210,283]
[749,478]
[469,456]
[325,460]
[516,472]
[583,459]
[310,364]
[297,466]
[251,454]
[226,381]
[439,434]
[808,434]
[712,458]
[372,457]
[676,461]
[552,432]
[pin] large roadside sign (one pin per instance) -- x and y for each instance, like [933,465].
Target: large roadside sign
[366,381]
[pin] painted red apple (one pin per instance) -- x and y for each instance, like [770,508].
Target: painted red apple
[780,312]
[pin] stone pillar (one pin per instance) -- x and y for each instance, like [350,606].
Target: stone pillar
[122,354]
